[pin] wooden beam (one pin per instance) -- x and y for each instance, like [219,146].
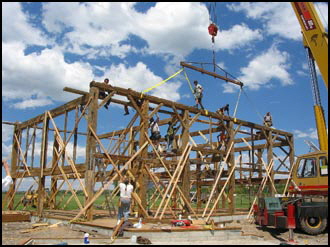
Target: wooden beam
[211,74]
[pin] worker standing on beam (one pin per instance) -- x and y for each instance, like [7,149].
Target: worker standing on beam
[198,92]
[268,121]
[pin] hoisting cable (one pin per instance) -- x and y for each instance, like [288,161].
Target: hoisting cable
[239,96]
[261,118]
[213,27]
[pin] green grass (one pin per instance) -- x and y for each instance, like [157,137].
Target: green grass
[243,199]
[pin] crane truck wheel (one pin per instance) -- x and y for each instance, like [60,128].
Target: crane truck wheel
[313,225]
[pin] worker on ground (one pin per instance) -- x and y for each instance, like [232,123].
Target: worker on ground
[103,94]
[268,121]
[169,137]
[126,189]
[198,92]
[155,131]
[7,180]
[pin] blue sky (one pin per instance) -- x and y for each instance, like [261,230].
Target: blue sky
[48,46]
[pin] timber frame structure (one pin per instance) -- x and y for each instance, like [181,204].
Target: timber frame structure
[197,158]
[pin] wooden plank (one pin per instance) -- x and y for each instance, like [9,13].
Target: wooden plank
[182,166]
[220,194]
[215,185]
[171,177]
[171,181]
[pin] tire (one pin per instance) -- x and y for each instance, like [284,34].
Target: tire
[313,225]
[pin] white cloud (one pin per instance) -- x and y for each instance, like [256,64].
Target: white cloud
[278,18]
[237,37]
[6,151]
[311,133]
[322,10]
[271,64]
[32,103]
[162,27]
[7,132]
[16,27]
[34,77]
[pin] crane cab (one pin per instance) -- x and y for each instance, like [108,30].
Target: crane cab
[310,174]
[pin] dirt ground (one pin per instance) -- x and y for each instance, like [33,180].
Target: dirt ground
[12,235]
[282,235]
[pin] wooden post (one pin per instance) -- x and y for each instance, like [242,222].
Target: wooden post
[198,184]
[259,154]
[53,189]
[43,162]
[141,173]
[185,178]
[14,162]
[291,151]
[269,158]
[90,149]
[231,166]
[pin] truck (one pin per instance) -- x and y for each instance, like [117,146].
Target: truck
[305,206]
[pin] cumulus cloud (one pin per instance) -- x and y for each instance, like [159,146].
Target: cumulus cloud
[32,103]
[271,64]
[238,36]
[40,75]
[278,18]
[105,25]
[310,133]
[16,26]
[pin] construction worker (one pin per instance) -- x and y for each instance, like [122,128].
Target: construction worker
[155,131]
[7,180]
[222,110]
[170,134]
[198,92]
[126,189]
[103,94]
[268,121]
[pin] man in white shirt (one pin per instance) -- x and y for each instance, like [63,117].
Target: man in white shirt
[268,121]
[198,92]
[126,190]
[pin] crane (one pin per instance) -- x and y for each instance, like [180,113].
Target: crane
[307,206]
[315,41]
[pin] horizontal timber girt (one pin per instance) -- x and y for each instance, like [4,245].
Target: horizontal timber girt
[179,106]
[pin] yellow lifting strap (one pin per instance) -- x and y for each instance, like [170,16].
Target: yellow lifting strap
[185,74]
[160,83]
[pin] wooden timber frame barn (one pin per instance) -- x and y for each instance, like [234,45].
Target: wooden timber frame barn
[130,152]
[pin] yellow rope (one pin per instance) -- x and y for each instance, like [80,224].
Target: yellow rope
[160,83]
[188,81]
